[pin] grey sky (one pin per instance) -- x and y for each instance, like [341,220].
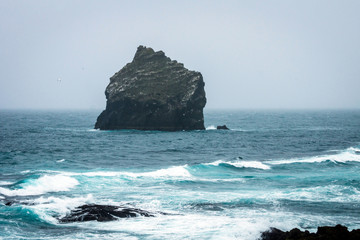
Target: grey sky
[252,54]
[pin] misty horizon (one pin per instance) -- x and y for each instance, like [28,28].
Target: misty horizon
[275,55]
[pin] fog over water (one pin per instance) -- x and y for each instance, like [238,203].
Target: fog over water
[252,54]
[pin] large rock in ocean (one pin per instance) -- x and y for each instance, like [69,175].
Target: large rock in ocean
[154,92]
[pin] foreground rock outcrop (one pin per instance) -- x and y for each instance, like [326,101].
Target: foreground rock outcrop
[154,93]
[102,213]
[338,232]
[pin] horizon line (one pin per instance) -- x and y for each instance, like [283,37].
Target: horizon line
[205,109]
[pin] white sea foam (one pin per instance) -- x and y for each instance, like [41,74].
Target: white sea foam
[354,149]
[61,160]
[61,205]
[247,225]
[46,207]
[93,130]
[216,163]
[177,171]
[44,184]
[211,127]
[242,164]
[2,183]
[349,155]
[330,193]
[250,164]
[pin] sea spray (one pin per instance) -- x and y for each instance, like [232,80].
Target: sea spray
[44,184]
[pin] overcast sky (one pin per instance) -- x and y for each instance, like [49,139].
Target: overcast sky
[252,54]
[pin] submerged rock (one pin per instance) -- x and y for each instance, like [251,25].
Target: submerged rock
[338,232]
[154,93]
[223,127]
[102,213]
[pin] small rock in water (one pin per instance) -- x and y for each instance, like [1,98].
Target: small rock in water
[102,213]
[223,127]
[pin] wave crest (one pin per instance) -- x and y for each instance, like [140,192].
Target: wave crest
[177,171]
[242,164]
[351,154]
[44,184]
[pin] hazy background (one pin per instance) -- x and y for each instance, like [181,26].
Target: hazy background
[252,54]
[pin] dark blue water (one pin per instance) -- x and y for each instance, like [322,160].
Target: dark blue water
[272,169]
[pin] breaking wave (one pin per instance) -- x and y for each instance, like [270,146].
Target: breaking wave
[42,185]
[351,154]
[177,171]
[242,164]
[211,127]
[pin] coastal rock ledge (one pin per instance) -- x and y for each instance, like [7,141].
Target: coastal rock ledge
[338,232]
[154,92]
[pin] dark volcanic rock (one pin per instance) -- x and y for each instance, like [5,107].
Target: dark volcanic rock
[102,213]
[223,127]
[338,232]
[154,93]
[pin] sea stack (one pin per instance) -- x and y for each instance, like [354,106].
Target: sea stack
[154,92]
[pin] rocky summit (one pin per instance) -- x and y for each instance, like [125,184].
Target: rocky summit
[154,92]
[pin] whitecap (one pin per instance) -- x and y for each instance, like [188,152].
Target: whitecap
[61,160]
[354,149]
[250,164]
[61,205]
[242,164]
[176,171]
[2,183]
[94,130]
[348,155]
[216,163]
[47,207]
[211,127]
[44,184]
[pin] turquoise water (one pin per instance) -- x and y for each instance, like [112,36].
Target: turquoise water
[272,169]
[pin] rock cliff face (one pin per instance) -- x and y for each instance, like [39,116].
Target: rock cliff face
[154,93]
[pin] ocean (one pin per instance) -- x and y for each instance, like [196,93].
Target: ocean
[280,169]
